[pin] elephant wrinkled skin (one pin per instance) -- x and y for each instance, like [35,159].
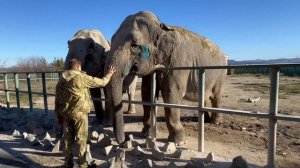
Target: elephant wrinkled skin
[141,44]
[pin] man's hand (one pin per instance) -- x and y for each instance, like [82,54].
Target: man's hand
[111,70]
[60,120]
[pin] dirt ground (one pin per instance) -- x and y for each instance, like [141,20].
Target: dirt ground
[236,135]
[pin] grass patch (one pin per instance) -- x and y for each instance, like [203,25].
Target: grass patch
[285,90]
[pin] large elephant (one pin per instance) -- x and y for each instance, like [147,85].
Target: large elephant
[90,47]
[141,44]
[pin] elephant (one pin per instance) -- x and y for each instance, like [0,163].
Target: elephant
[141,45]
[90,47]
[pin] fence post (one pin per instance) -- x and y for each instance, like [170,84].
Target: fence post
[201,88]
[17,89]
[29,91]
[153,128]
[45,92]
[6,91]
[272,120]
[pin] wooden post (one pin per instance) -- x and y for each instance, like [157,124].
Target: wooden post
[153,128]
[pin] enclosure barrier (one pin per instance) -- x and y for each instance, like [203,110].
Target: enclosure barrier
[272,116]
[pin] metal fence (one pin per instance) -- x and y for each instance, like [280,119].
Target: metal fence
[272,116]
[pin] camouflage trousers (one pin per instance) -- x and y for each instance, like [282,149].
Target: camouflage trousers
[75,130]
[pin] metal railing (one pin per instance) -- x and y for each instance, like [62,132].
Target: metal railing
[29,91]
[272,116]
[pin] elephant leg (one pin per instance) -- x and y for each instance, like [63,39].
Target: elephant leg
[96,93]
[146,97]
[131,92]
[172,115]
[216,117]
[216,103]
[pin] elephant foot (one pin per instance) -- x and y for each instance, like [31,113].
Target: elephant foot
[216,120]
[179,139]
[145,131]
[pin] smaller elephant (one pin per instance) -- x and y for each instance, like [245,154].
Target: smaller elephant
[91,47]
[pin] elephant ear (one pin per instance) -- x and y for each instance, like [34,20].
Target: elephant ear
[165,27]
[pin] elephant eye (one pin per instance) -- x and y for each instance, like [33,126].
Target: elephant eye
[135,48]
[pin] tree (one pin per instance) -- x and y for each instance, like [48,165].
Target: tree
[2,63]
[58,63]
[33,63]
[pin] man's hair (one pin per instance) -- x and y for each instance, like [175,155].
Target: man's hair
[74,63]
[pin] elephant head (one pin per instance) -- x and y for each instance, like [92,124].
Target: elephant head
[88,46]
[136,48]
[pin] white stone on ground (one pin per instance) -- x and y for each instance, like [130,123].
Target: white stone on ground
[56,147]
[107,150]
[94,135]
[169,147]
[16,133]
[209,158]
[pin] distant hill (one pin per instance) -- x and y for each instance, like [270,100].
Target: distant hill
[260,61]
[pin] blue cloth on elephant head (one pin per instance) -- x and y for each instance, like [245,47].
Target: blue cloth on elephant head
[145,52]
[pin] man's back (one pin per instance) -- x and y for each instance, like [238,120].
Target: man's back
[72,94]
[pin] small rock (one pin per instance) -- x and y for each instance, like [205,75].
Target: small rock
[253,99]
[244,128]
[25,134]
[47,136]
[94,135]
[209,158]
[32,140]
[239,162]
[138,151]
[169,147]
[157,153]
[16,133]
[107,150]
[284,154]
[56,147]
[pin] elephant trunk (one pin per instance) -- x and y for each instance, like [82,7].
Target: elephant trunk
[114,88]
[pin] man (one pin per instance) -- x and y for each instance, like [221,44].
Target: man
[72,105]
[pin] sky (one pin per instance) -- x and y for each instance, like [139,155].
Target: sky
[243,29]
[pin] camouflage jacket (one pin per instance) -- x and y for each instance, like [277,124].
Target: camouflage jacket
[72,92]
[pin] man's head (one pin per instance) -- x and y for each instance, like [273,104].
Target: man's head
[75,64]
